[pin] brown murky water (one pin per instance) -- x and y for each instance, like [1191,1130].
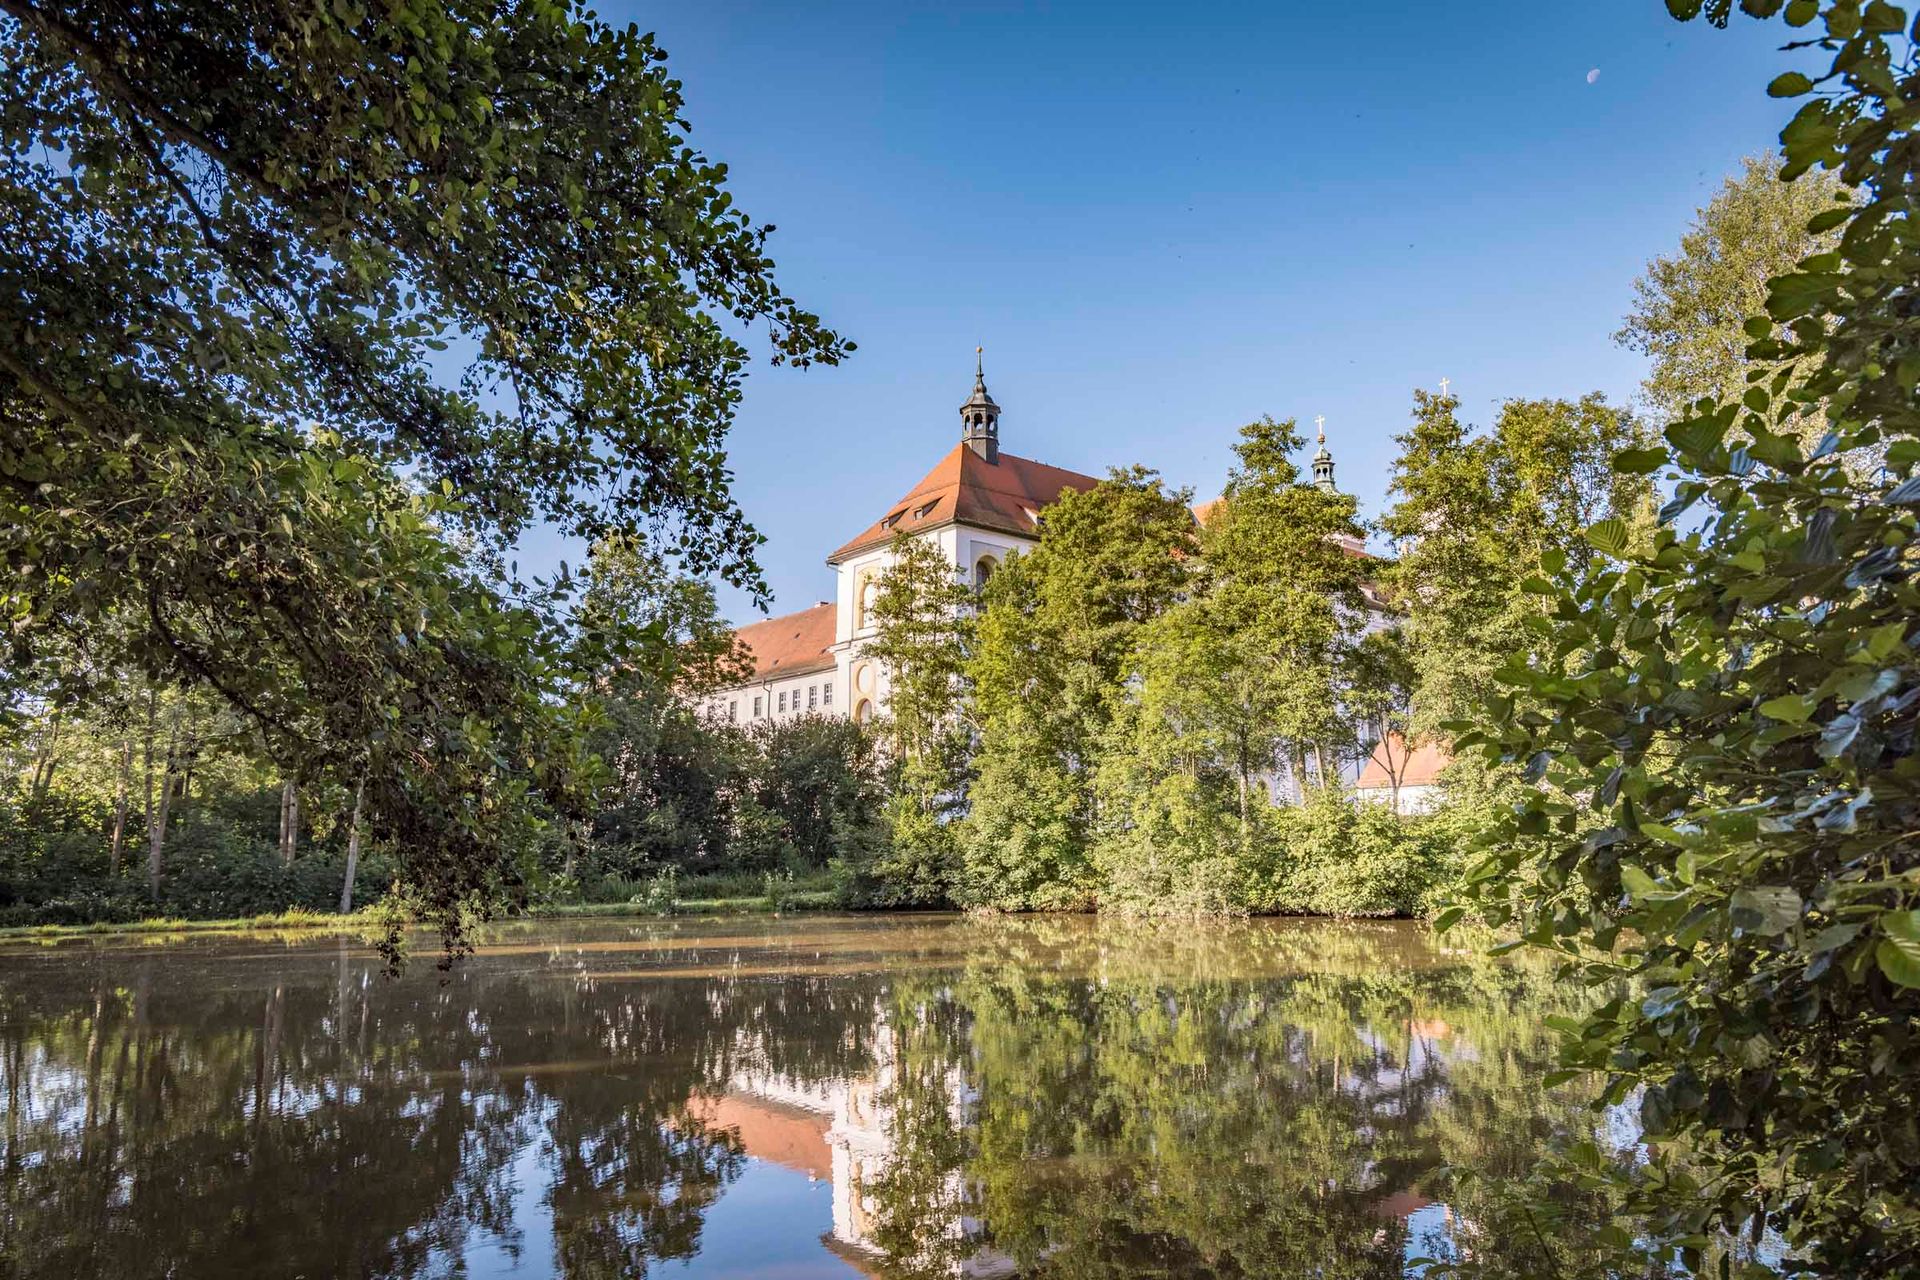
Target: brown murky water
[810,1097]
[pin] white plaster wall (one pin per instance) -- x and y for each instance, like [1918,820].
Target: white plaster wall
[961,546]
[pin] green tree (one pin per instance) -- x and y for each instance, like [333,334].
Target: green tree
[1690,309]
[1055,642]
[645,642]
[922,630]
[1235,682]
[1472,516]
[1725,726]
[823,777]
[1377,689]
[238,237]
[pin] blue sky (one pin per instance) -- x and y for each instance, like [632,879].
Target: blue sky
[1163,221]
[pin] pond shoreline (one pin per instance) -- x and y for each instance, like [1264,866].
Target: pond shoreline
[365,921]
[362,921]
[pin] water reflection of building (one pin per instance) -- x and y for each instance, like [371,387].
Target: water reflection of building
[845,1131]
[842,1131]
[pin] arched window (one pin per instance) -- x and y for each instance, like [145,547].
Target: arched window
[983,570]
[862,711]
[869,596]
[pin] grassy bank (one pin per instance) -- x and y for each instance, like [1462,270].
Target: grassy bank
[271,922]
[318,922]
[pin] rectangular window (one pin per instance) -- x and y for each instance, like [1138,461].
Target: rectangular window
[733,711]
[756,706]
[813,696]
[783,701]
[826,694]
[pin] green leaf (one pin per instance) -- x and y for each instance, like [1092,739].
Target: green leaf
[1636,882]
[1609,535]
[1639,462]
[1697,437]
[1899,959]
[1826,220]
[1665,834]
[1768,909]
[1882,19]
[1885,640]
[1832,938]
[1790,84]
[1793,708]
[1448,918]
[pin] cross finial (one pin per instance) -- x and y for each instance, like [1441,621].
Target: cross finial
[1320,425]
[1444,384]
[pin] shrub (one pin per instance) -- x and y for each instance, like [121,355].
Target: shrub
[1333,856]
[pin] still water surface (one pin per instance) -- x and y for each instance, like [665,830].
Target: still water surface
[811,1097]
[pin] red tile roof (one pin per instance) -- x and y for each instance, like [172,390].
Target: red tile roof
[791,643]
[1418,768]
[964,488]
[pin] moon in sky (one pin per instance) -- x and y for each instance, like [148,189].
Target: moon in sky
[1593,75]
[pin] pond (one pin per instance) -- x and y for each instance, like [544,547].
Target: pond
[821,1096]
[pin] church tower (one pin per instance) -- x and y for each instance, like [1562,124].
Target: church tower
[980,417]
[1323,461]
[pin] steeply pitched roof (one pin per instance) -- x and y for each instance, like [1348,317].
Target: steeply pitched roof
[1417,768]
[791,643]
[964,488]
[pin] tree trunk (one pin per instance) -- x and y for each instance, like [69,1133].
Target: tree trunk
[289,821]
[1243,791]
[1393,770]
[44,760]
[157,826]
[122,795]
[353,845]
[153,713]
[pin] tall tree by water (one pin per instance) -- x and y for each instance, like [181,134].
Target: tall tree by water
[261,261]
[922,632]
[1234,683]
[1056,640]
[1724,718]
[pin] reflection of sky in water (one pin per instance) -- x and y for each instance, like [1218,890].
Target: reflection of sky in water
[1429,1235]
[767,1224]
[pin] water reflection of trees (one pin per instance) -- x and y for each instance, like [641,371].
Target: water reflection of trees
[1277,1108]
[1076,1099]
[172,1116]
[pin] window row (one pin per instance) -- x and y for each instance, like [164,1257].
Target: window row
[819,696]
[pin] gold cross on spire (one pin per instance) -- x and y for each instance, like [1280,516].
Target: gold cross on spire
[1444,384]
[1320,425]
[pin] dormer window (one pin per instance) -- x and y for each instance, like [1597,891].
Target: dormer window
[920,513]
[893,519]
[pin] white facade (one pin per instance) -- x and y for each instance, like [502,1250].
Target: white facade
[843,682]
[970,551]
